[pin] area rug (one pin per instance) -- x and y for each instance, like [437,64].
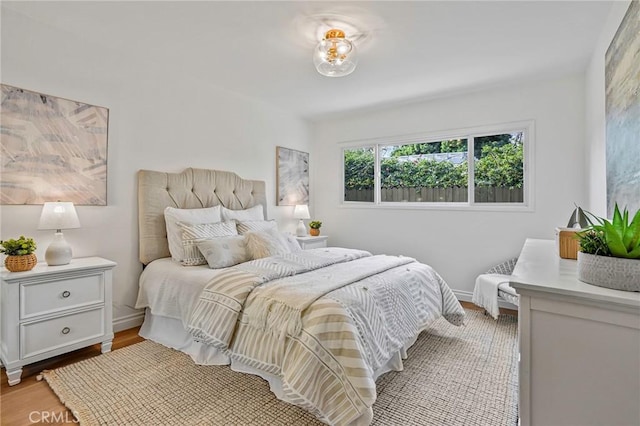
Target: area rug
[453,376]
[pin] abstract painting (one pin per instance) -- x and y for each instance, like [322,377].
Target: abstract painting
[622,88]
[292,180]
[52,149]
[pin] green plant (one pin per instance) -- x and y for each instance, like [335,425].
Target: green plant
[20,247]
[620,237]
[315,224]
[593,242]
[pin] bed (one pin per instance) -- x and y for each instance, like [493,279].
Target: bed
[319,325]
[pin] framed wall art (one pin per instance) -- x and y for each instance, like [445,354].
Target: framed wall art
[292,180]
[622,100]
[52,149]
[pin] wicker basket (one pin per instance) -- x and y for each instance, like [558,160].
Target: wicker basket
[20,263]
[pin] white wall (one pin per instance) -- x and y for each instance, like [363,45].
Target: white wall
[460,244]
[595,114]
[157,121]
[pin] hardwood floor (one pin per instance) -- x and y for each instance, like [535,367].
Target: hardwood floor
[33,402]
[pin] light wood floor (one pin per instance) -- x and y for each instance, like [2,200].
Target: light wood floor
[33,398]
[33,402]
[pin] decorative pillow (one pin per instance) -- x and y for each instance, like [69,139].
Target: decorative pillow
[253,213]
[193,234]
[225,251]
[291,242]
[256,225]
[265,243]
[174,234]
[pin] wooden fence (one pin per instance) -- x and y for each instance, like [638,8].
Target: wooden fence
[496,194]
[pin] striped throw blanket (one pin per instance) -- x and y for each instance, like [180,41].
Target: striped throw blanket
[214,318]
[345,335]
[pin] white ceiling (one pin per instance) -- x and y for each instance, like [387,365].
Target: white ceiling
[414,50]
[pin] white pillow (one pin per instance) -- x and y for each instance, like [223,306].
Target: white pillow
[253,213]
[265,243]
[193,234]
[225,251]
[174,234]
[256,225]
[291,242]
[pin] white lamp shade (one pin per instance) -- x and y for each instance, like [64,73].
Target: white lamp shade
[58,215]
[301,211]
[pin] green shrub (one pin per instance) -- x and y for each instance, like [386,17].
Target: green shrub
[20,247]
[315,224]
[620,237]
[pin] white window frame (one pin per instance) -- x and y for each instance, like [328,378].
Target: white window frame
[527,127]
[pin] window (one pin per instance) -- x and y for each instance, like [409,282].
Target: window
[476,167]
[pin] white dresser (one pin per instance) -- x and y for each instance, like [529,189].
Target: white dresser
[51,310]
[579,345]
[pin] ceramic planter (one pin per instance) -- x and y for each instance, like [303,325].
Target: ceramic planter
[610,272]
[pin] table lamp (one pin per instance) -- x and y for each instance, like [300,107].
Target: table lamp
[301,211]
[58,215]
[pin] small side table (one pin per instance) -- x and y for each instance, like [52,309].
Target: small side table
[51,310]
[312,242]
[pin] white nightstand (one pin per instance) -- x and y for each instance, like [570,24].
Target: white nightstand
[312,242]
[51,310]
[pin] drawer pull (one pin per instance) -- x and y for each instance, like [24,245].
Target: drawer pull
[66,294]
[66,330]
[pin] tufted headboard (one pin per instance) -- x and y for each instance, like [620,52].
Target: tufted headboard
[190,189]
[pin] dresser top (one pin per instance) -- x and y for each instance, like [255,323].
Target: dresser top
[76,264]
[541,269]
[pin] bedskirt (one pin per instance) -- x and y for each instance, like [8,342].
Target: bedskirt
[171,333]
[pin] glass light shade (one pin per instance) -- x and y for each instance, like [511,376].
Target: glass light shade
[301,211]
[335,56]
[58,215]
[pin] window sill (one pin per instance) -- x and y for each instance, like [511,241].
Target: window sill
[493,207]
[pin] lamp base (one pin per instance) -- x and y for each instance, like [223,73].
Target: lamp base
[301,231]
[58,252]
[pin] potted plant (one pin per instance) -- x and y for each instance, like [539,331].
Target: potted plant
[315,227]
[20,256]
[610,252]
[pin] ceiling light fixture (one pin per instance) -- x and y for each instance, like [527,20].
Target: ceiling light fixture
[335,56]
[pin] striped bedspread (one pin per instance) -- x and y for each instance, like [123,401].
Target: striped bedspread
[368,309]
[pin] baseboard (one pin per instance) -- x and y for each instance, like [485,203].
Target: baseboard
[467,296]
[462,295]
[128,321]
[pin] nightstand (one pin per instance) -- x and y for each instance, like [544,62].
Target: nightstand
[51,310]
[312,242]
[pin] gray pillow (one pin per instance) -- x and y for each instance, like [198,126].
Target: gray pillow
[224,251]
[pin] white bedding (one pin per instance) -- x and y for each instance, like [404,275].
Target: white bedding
[170,290]
[372,319]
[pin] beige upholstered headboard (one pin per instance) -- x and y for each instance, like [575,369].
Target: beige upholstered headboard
[191,189]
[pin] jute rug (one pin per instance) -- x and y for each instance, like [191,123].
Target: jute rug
[453,376]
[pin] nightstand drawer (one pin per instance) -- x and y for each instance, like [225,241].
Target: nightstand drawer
[58,295]
[44,336]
